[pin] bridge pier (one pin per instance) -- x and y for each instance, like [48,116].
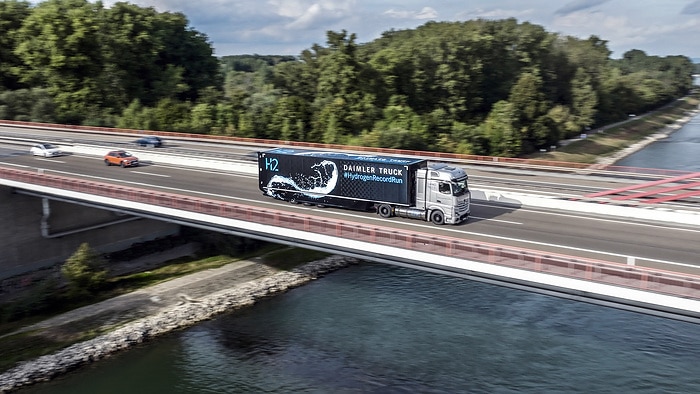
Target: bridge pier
[38,233]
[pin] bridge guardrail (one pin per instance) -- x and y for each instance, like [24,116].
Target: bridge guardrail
[483,160]
[617,274]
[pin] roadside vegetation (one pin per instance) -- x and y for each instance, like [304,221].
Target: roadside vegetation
[481,87]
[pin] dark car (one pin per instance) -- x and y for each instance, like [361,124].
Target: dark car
[149,141]
[121,158]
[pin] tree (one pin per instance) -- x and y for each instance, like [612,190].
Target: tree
[12,15]
[83,271]
[34,105]
[203,118]
[290,119]
[187,50]
[530,108]
[400,127]
[499,128]
[174,115]
[131,50]
[297,79]
[340,97]
[584,101]
[60,47]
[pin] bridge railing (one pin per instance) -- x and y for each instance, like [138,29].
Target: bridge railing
[634,277]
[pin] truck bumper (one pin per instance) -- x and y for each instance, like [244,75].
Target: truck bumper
[459,218]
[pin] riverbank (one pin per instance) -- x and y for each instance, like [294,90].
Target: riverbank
[609,144]
[639,145]
[151,312]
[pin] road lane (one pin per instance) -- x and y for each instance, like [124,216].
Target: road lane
[538,229]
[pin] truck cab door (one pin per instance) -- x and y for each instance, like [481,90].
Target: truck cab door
[440,193]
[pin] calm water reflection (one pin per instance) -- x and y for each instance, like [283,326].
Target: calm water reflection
[380,329]
[680,151]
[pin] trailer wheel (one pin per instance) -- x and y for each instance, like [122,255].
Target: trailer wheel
[384,210]
[437,217]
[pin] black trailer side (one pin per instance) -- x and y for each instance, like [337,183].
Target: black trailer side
[347,180]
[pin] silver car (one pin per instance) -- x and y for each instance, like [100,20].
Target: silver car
[46,150]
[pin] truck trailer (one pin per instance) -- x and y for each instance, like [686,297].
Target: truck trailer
[393,186]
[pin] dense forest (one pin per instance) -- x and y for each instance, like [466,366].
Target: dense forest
[501,88]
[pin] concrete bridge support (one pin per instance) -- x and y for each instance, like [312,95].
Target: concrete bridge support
[36,232]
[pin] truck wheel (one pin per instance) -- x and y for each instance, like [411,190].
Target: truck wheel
[437,217]
[384,210]
[107,163]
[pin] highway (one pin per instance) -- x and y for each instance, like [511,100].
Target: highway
[659,245]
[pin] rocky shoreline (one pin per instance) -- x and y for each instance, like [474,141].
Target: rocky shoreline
[177,317]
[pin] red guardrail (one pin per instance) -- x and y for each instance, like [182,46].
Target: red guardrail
[404,152]
[259,141]
[647,279]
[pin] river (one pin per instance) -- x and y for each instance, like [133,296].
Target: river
[375,328]
[679,151]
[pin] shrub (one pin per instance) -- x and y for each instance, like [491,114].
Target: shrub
[83,271]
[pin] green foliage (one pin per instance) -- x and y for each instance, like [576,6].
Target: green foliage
[35,105]
[174,115]
[213,243]
[436,87]
[84,271]
[291,118]
[252,63]
[203,118]
[95,61]
[500,129]
[59,45]
[12,15]
[40,298]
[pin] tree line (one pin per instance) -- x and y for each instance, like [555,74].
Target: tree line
[501,88]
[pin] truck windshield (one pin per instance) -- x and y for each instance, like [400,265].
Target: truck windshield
[460,187]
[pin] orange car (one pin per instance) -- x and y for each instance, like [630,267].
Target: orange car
[121,158]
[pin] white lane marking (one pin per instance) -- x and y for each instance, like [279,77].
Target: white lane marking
[191,169]
[597,219]
[497,220]
[551,245]
[232,174]
[151,174]
[17,165]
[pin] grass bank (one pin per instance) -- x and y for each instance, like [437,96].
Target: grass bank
[606,141]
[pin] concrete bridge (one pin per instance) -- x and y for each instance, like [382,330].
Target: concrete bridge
[655,291]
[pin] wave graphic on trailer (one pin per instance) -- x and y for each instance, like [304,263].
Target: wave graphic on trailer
[313,186]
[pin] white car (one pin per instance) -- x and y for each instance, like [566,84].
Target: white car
[46,150]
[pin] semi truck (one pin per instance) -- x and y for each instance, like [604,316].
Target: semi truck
[392,186]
